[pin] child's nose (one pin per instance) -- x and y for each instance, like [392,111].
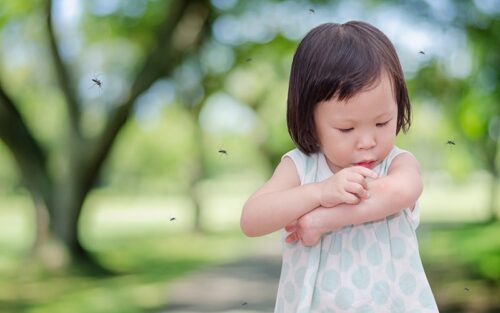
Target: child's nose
[366,141]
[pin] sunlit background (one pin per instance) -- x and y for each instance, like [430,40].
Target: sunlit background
[133,131]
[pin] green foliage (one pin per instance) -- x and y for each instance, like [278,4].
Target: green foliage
[153,155]
[474,246]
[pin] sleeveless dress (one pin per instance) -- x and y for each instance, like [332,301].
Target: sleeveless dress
[372,267]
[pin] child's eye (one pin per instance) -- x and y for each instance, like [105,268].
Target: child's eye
[382,124]
[345,130]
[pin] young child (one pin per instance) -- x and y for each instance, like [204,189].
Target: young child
[346,197]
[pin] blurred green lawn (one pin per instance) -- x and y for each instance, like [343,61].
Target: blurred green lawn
[136,238]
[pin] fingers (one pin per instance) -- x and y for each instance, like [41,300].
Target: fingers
[366,172]
[358,189]
[291,227]
[350,198]
[293,237]
[310,240]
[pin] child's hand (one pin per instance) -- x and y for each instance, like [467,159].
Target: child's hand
[346,186]
[307,229]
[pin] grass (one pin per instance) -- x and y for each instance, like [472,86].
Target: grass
[462,262]
[144,267]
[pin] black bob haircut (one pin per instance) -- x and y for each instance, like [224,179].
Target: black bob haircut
[340,60]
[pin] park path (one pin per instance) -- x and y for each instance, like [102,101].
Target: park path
[246,285]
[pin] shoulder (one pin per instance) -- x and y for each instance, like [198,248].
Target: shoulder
[285,176]
[289,168]
[404,170]
[403,160]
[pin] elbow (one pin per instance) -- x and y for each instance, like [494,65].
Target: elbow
[247,227]
[248,231]
[408,195]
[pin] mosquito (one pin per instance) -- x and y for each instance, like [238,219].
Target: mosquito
[222,152]
[451,142]
[97,82]
[172,219]
[311,10]
[244,303]
[248,60]
[421,52]
[466,289]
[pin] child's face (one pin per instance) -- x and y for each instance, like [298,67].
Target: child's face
[360,131]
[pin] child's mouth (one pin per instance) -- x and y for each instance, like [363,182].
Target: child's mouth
[367,164]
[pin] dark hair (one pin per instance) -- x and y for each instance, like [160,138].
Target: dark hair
[340,60]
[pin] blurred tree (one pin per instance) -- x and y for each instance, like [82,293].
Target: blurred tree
[472,102]
[61,194]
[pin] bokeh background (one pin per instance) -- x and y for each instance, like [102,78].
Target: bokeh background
[132,132]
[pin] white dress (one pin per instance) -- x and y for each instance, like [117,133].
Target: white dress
[373,267]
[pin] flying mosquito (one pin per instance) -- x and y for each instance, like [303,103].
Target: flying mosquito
[421,52]
[451,142]
[96,81]
[172,219]
[222,152]
[311,10]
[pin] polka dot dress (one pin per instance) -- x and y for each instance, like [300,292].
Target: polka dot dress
[373,267]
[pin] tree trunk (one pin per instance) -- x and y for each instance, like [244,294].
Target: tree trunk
[493,202]
[197,176]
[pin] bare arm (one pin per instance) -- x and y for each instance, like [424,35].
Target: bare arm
[390,194]
[278,202]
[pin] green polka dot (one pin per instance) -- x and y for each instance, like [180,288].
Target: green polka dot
[405,228]
[398,247]
[344,298]
[289,292]
[382,232]
[426,299]
[330,281]
[299,276]
[380,292]
[345,260]
[336,245]
[365,309]
[407,283]
[361,277]
[398,306]
[390,271]
[374,254]
[359,241]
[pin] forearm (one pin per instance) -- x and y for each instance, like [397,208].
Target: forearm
[388,196]
[269,212]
